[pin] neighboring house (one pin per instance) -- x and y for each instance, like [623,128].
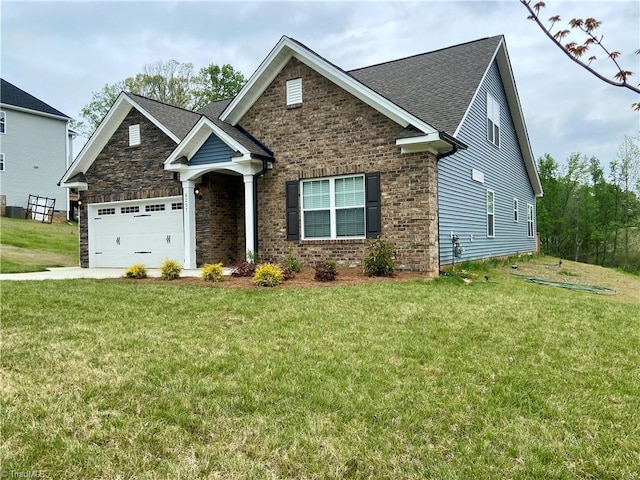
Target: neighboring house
[322,160]
[35,149]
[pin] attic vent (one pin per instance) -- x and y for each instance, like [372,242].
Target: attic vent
[134,135]
[294,92]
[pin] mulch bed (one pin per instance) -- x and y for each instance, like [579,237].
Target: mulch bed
[346,276]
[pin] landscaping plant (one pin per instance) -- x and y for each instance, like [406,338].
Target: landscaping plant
[212,272]
[326,271]
[170,269]
[137,270]
[381,259]
[291,263]
[268,275]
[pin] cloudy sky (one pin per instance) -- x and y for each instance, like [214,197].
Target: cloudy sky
[61,52]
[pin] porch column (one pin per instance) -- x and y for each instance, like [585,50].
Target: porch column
[189,223]
[249,232]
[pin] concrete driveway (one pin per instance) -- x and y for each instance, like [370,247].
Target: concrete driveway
[65,273]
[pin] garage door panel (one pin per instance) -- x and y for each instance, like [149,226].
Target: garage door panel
[123,233]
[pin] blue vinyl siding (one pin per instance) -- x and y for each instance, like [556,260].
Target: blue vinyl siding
[213,150]
[462,202]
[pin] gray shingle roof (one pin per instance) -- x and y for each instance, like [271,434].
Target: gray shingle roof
[437,87]
[12,95]
[213,110]
[178,120]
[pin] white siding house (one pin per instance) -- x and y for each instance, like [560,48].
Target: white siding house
[35,145]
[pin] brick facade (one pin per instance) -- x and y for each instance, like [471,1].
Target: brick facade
[121,172]
[220,219]
[333,133]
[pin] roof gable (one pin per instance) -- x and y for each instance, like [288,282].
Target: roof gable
[11,95]
[116,115]
[277,59]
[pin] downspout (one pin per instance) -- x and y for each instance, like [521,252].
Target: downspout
[440,156]
[255,203]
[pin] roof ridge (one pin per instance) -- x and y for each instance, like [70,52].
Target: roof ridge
[37,107]
[161,103]
[424,53]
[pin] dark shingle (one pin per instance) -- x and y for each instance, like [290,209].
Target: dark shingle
[437,87]
[213,111]
[12,95]
[178,120]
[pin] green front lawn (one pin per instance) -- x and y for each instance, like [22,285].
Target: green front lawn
[116,379]
[29,246]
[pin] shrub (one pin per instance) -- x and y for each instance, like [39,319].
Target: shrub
[381,259]
[170,269]
[243,268]
[268,275]
[212,272]
[326,271]
[137,270]
[291,263]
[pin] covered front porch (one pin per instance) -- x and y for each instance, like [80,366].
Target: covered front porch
[218,173]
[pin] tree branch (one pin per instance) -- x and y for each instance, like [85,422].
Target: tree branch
[624,84]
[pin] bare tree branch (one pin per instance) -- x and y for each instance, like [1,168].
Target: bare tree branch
[575,51]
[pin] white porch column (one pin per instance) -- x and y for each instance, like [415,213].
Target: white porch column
[249,214]
[189,223]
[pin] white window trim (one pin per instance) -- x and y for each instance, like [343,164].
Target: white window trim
[134,135]
[3,121]
[493,115]
[294,91]
[3,166]
[332,208]
[492,212]
[516,213]
[530,221]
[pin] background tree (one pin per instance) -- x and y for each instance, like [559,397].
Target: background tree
[578,50]
[168,82]
[585,216]
[216,83]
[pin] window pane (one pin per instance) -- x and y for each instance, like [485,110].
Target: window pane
[496,136]
[315,194]
[489,130]
[350,222]
[490,226]
[317,224]
[489,202]
[349,192]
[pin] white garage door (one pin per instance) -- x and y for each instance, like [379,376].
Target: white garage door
[140,231]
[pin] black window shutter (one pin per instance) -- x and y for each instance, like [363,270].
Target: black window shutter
[293,213]
[372,186]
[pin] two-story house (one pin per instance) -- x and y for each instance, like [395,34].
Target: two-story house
[35,150]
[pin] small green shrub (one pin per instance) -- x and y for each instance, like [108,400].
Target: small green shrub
[381,259]
[268,275]
[212,272]
[326,271]
[291,263]
[137,270]
[170,269]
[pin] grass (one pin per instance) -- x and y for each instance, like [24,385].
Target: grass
[29,246]
[500,379]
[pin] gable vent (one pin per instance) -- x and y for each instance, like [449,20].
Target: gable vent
[134,135]
[294,91]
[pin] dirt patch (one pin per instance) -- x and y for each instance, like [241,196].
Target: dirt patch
[626,286]
[346,276]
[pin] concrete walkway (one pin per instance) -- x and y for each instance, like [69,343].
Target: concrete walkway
[65,273]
